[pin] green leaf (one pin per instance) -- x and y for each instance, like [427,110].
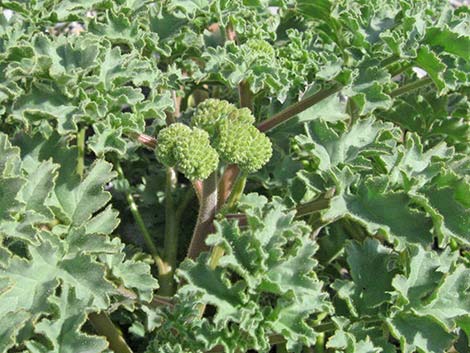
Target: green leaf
[10,324]
[424,273]
[9,188]
[446,199]
[449,41]
[9,157]
[367,88]
[353,146]
[134,274]
[272,258]
[39,186]
[106,140]
[63,330]
[32,281]
[80,201]
[45,102]
[430,63]
[384,212]
[104,222]
[117,27]
[372,272]
[420,333]
[451,300]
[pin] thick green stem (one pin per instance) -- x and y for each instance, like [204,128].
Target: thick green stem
[411,86]
[320,344]
[105,327]
[237,190]
[297,108]
[390,60]
[162,267]
[81,151]
[207,210]
[400,69]
[171,235]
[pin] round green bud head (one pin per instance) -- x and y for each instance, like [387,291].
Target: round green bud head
[196,158]
[210,112]
[261,49]
[243,116]
[188,150]
[167,139]
[243,145]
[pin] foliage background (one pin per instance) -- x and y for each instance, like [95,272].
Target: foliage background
[354,238]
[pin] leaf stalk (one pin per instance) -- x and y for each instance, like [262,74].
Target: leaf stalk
[81,151]
[105,327]
[162,267]
[170,247]
[297,108]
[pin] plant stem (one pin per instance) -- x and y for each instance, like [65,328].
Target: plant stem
[400,69]
[81,151]
[237,190]
[146,140]
[171,235]
[411,86]
[320,343]
[297,108]
[162,268]
[197,186]
[245,95]
[207,210]
[390,60]
[217,251]
[105,327]
[312,206]
[226,183]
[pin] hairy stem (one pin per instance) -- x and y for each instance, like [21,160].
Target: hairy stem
[162,267]
[171,235]
[411,86]
[105,327]
[297,108]
[81,151]
[207,210]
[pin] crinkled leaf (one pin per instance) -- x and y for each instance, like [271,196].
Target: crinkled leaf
[420,333]
[63,329]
